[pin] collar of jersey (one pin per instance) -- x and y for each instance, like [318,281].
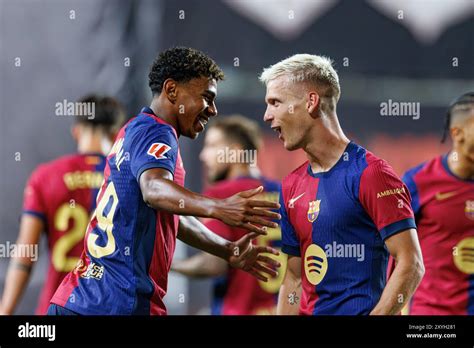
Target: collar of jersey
[339,161]
[444,162]
[148,111]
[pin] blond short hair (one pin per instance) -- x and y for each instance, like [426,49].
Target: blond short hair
[316,70]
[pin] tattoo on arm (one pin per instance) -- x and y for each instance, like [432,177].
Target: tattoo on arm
[293,299]
[21,266]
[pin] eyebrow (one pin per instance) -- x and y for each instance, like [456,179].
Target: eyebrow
[270,98]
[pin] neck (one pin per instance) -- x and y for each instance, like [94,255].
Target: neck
[161,108]
[326,145]
[460,165]
[90,142]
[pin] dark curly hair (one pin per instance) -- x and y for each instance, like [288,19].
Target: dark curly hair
[182,64]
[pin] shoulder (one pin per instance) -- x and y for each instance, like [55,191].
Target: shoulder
[295,175]
[145,134]
[144,123]
[375,166]
[423,170]
[358,159]
[56,166]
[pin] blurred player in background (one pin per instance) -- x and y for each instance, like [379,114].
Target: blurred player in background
[230,155]
[341,210]
[442,191]
[143,206]
[59,198]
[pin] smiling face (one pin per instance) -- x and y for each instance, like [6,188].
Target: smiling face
[287,112]
[196,104]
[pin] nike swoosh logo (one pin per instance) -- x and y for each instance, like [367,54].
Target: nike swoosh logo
[293,200]
[442,196]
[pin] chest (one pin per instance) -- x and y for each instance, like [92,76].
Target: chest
[322,210]
[449,206]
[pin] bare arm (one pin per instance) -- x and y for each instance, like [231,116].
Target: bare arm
[241,210]
[19,269]
[240,254]
[290,291]
[200,265]
[409,270]
[193,232]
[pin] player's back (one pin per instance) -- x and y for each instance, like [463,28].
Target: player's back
[239,293]
[62,193]
[444,210]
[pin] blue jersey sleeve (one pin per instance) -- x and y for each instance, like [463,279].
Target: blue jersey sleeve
[408,179]
[290,242]
[153,146]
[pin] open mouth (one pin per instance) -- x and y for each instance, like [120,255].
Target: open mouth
[278,130]
[202,120]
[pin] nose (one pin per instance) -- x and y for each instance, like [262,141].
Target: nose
[212,110]
[268,116]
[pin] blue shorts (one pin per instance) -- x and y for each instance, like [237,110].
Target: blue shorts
[54,309]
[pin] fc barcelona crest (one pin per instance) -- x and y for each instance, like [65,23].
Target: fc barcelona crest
[313,210]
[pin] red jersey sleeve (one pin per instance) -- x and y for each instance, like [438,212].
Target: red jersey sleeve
[386,199]
[33,198]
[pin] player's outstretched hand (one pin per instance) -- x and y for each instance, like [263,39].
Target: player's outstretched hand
[241,210]
[249,257]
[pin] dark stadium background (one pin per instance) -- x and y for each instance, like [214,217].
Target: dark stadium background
[63,58]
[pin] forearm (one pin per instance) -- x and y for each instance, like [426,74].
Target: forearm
[399,289]
[200,265]
[289,297]
[192,232]
[164,194]
[17,278]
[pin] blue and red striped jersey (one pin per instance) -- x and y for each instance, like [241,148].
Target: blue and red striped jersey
[128,245]
[337,222]
[444,211]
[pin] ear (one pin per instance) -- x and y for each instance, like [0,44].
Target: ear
[76,132]
[457,134]
[170,89]
[312,103]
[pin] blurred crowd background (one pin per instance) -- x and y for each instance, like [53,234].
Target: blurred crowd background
[406,51]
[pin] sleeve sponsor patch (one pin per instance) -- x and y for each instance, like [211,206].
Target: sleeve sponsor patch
[158,150]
